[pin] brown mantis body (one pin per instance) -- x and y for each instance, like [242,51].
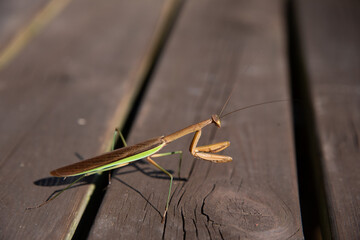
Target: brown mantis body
[148,149]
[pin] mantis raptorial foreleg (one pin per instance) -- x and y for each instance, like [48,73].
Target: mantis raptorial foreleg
[206,152]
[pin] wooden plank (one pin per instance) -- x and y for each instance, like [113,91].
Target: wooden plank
[30,30]
[63,96]
[330,35]
[14,14]
[216,46]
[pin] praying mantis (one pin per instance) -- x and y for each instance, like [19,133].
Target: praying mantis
[149,149]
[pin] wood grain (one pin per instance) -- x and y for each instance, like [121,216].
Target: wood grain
[330,36]
[63,96]
[216,46]
[14,14]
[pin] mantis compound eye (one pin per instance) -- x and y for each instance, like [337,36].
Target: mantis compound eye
[216,120]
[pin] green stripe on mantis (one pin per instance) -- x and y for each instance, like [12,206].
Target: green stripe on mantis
[114,165]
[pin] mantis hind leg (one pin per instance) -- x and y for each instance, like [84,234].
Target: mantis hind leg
[117,133]
[56,195]
[207,152]
[83,176]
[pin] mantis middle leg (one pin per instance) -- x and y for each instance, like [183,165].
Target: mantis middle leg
[167,173]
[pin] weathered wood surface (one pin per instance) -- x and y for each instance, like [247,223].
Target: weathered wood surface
[329,36]
[216,46]
[86,65]
[14,14]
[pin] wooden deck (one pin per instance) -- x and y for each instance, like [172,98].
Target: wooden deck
[72,71]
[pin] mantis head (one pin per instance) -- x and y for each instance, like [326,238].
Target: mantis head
[216,120]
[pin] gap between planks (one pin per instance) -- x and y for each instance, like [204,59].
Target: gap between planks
[123,116]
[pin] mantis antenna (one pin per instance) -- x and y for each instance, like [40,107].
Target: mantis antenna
[250,106]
